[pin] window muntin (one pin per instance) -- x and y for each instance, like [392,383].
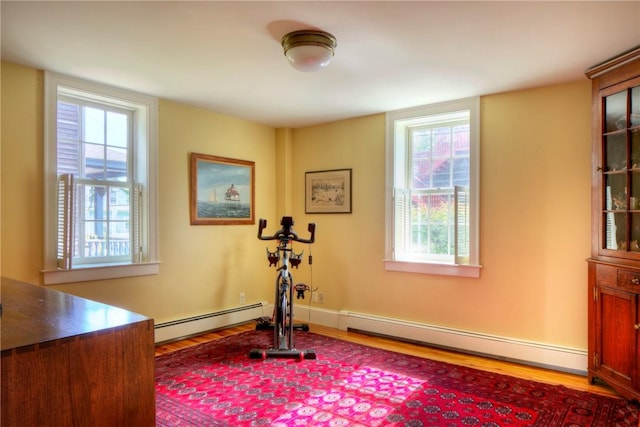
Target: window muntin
[432,173]
[103,230]
[100,182]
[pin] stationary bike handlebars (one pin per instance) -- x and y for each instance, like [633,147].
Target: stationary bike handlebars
[286,233]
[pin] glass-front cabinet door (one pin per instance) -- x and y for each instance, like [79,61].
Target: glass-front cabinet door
[620,171]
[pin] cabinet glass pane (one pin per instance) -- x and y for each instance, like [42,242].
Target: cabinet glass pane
[635,106]
[615,192]
[615,152]
[616,111]
[615,231]
[634,193]
[635,232]
[635,149]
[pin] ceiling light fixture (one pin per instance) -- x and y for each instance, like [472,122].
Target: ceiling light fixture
[309,50]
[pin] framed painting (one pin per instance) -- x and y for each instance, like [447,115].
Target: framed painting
[221,190]
[328,191]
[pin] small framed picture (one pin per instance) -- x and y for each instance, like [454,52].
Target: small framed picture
[221,190]
[328,191]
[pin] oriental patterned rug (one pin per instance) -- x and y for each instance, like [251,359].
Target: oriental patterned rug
[217,384]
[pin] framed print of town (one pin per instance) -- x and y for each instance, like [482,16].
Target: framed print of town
[328,191]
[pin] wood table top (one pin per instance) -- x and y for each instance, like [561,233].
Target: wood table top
[33,314]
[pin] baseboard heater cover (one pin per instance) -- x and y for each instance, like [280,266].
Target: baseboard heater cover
[521,351]
[189,326]
[559,358]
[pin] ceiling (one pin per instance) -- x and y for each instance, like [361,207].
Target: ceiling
[226,56]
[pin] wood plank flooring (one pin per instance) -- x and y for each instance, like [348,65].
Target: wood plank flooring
[509,368]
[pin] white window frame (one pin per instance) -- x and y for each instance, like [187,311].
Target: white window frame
[145,113]
[397,123]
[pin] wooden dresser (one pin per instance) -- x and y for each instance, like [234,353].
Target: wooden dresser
[69,361]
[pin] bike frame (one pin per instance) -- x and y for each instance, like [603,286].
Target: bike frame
[283,330]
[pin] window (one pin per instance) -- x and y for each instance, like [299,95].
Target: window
[100,182]
[432,189]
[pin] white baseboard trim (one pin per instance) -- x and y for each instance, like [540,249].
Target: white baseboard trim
[550,356]
[315,315]
[180,328]
[559,358]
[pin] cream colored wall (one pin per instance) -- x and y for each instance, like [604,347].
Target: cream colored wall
[284,179]
[20,172]
[535,172]
[204,268]
[0,182]
[535,187]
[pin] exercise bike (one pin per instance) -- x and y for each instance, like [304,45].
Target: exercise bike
[283,312]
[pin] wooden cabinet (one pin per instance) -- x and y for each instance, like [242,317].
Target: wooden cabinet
[69,361]
[614,266]
[614,341]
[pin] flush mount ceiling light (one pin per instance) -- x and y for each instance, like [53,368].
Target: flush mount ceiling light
[309,50]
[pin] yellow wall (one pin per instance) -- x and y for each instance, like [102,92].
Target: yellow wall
[535,172]
[21,177]
[204,268]
[535,160]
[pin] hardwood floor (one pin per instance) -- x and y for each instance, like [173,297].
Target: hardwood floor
[508,368]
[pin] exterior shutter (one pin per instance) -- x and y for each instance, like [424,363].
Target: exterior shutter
[461,224]
[65,221]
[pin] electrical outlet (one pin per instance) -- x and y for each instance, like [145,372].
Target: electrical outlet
[320,297]
[314,297]
[241,297]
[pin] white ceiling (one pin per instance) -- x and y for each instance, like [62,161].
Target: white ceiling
[226,56]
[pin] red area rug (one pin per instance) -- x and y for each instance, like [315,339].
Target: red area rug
[217,384]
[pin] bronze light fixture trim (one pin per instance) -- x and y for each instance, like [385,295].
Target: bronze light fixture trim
[309,50]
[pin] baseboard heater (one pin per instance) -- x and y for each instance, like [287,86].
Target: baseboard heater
[189,326]
[515,350]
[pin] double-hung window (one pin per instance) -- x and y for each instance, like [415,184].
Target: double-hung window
[100,182]
[432,189]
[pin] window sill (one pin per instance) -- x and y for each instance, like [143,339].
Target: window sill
[472,271]
[88,274]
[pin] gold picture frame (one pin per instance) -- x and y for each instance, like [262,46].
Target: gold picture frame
[328,191]
[221,190]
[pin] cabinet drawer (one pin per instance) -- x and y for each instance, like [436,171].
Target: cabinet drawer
[606,276]
[629,279]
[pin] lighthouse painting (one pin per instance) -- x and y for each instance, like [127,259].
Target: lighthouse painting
[222,190]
